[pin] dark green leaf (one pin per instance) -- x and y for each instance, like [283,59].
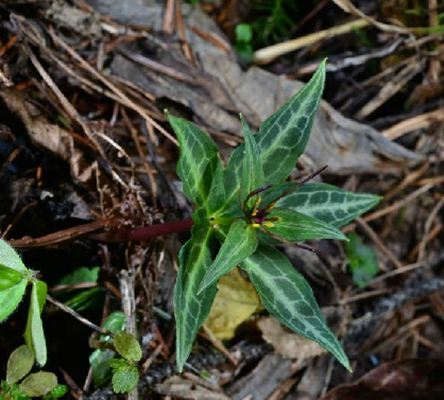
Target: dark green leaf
[240,242]
[191,309]
[20,363]
[199,166]
[252,174]
[115,322]
[288,297]
[38,384]
[362,261]
[281,140]
[99,361]
[128,346]
[328,203]
[12,288]
[10,258]
[295,227]
[34,335]
[283,136]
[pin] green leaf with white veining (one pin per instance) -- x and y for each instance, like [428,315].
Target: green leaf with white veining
[10,258]
[281,140]
[34,335]
[252,173]
[191,309]
[326,202]
[12,288]
[199,166]
[295,227]
[283,136]
[240,242]
[288,297]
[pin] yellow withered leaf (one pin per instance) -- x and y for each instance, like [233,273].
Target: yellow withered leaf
[235,302]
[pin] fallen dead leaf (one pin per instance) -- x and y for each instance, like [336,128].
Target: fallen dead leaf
[235,302]
[415,379]
[287,343]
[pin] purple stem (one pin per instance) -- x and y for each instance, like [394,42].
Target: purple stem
[149,232]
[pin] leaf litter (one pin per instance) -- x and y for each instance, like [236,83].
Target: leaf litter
[66,144]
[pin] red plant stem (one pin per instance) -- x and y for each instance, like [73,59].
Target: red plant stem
[149,232]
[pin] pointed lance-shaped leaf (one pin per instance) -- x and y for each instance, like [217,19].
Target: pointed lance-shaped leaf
[240,242]
[252,173]
[328,203]
[284,135]
[281,139]
[295,227]
[34,335]
[190,308]
[288,297]
[199,166]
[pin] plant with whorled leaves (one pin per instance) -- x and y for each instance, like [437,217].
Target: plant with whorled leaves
[245,207]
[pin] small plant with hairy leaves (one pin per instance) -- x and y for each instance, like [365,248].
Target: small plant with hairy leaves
[20,384]
[245,208]
[14,278]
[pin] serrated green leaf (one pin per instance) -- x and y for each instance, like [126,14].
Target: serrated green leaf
[34,335]
[362,260]
[281,139]
[295,227]
[191,309]
[11,297]
[38,384]
[128,346]
[240,242]
[20,363]
[125,380]
[288,297]
[252,173]
[199,166]
[326,202]
[283,136]
[10,258]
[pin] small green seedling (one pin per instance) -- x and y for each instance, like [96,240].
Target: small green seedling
[21,385]
[362,261]
[14,277]
[122,371]
[243,46]
[245,208]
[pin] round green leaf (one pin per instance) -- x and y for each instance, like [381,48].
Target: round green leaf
[127,346]
[19,364]
[38,384]
[125,380]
